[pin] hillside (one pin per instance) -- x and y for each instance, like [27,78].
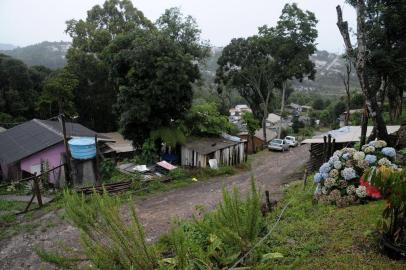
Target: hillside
[6,47]
[49,54]
[329,66]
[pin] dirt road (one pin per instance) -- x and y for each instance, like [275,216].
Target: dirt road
[271,171]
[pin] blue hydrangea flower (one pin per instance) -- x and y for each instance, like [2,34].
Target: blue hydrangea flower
[389,152]
[371,159]
[346,156]
[325,168]
[348,174]
[333,159]
[325,175]
[317,178]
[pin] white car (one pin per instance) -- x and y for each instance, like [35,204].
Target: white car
[291,141]
[279,145]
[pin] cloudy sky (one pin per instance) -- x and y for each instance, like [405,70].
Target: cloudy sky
[25,22]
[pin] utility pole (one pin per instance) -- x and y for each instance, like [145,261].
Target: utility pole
[61,119]
[282,108]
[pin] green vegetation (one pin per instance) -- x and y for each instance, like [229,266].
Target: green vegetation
[324,237]
[8,210]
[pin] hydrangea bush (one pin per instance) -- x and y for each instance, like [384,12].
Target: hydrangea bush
[339,181]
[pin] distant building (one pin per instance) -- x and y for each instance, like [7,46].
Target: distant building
[352,112]
[259,140]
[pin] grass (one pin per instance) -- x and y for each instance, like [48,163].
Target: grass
[8,210]
[324,237]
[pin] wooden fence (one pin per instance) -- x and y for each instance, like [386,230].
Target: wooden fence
[37,185]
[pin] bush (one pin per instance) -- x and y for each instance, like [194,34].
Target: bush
[107,168]
[224,235]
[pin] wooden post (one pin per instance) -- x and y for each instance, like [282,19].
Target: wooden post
[97,160]
[305,179]
[324,148]
[333,147]
[328,147]
[37,190]
[68,174]
[268,201]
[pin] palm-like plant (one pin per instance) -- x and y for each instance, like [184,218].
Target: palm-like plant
[392,184]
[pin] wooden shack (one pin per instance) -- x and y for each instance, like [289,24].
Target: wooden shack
[197,152]
[258,143]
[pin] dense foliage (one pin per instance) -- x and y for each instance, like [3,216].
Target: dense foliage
[20,87]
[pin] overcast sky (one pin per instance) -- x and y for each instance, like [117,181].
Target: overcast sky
[25,22]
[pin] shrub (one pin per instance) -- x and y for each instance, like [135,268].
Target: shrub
[225,234]
[107,168]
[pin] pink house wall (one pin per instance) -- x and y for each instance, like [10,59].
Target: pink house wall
[51,154]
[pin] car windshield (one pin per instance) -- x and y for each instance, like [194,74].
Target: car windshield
[277,141]
[289,138]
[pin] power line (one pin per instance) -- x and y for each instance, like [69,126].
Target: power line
[263,238]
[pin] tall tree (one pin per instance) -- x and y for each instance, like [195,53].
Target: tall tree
[346,81]
[57,94]
[17,97]
[247,65]
[258,64]
[97,91]
[154,70]
[379,57]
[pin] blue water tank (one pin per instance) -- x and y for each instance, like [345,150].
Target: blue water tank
[82,148]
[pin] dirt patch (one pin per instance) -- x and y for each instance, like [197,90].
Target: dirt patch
[157,212]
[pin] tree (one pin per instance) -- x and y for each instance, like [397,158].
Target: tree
[204,119]
[247,65]
[252,125]
[346,81]
[155,70]
[379,55]
[86,59]
[258,64]
[58,91]
[318,104]
[17,96]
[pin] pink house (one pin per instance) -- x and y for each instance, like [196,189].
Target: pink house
[25,147]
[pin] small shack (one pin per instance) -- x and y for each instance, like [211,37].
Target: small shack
[259,140]
[197,152]
[321,148]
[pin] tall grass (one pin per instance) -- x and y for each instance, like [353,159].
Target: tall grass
[109,242]
[215,241]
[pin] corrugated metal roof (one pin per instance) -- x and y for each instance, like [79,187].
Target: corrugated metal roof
[118,144]
[347,134]
[33,136]
[206,146]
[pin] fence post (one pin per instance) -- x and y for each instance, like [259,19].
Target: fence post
[305,179]
[37,190]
